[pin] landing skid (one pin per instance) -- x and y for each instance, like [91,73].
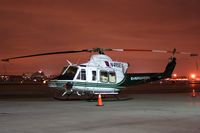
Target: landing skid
[58,95]
[72,96]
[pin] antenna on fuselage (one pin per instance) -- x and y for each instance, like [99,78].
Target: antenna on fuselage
[173,53]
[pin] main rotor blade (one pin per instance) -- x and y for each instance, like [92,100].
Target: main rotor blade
[101,51]
[154,51]
[49,53]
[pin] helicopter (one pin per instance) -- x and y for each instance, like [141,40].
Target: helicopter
[102,75]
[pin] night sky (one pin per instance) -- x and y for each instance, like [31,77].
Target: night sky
[39,26]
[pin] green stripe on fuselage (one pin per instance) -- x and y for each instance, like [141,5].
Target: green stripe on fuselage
[61,83]
[99,85]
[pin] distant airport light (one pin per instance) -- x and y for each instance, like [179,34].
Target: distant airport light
[39,71]
[193,76]
[174,75]
[44,82]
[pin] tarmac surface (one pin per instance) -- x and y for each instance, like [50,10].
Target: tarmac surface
[140,113]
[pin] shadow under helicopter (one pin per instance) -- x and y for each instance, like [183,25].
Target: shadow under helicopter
[58,95]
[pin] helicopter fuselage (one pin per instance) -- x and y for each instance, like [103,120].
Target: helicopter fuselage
[102,75]
[99,75]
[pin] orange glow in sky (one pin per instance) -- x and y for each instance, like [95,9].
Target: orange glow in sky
[40,26]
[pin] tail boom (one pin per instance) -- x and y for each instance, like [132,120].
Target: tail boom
[139,78]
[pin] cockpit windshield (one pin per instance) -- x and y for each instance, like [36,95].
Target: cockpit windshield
[68,74]
[63,70]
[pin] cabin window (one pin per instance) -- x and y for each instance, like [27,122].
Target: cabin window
[82,75]
[112,77]
[94,75]
[103,76]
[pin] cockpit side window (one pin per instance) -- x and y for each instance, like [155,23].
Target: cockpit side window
[63,70]
[79,76]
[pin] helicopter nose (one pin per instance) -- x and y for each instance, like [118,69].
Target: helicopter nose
[59,84]
[52,84]
[55,84]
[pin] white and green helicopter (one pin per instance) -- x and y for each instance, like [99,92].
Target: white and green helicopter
[102,75]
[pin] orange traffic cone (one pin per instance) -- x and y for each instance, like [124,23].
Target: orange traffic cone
[100,103]
[193,93]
